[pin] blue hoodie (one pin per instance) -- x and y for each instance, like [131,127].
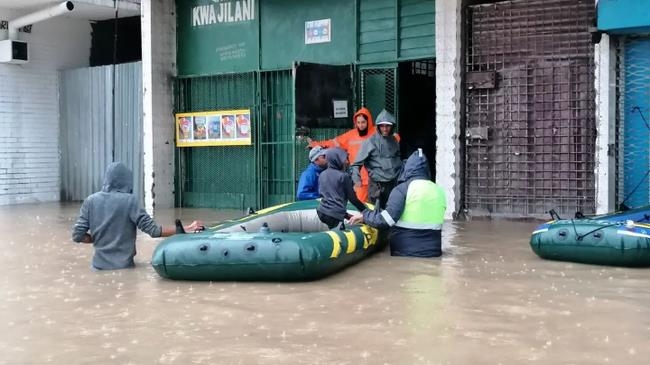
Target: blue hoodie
[308,183]
[111,217]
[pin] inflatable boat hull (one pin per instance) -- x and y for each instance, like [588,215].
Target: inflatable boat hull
[297,248]
[590,241]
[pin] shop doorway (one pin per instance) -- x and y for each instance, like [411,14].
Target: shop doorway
[408,91]
[417,110]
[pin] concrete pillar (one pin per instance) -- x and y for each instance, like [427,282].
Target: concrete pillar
[158,70]
[605,62]
[448,100]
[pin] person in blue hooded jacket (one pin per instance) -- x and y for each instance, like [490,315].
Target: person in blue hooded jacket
[308,182]
[109,218]
[414,212]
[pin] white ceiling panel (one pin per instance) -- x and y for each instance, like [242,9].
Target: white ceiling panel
[83,9]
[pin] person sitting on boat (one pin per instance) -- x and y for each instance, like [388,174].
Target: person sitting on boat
[112,216]
[414,212]
[308,183]
[336,189]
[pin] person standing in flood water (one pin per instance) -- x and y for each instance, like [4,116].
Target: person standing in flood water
[350,142]
[109,218]
[379,154]
[415,212]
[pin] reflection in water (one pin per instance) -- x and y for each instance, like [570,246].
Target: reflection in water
[488,300]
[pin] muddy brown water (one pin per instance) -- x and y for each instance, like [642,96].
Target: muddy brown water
[488,300]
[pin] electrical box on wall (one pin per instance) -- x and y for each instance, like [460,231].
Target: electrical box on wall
[13,51]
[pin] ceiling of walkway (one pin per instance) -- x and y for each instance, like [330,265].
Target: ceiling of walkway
[83,9]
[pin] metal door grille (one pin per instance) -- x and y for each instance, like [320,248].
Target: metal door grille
[378,90]
[633,131]
[529,108]
[277,133]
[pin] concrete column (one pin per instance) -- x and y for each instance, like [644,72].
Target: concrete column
[158,70]
[448,100]
[605,62]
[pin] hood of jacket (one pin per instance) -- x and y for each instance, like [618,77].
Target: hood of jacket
[416,166]
[366,113]
[118,178]
[336,157]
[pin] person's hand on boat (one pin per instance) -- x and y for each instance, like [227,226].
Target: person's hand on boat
[356,218]
[195,226]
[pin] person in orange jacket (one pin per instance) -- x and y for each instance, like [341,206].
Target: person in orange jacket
[350,141]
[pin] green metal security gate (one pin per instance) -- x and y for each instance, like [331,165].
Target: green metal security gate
[218,176]
[276,138]
[378,89]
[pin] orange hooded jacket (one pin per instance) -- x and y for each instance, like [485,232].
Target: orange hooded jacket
[351,141]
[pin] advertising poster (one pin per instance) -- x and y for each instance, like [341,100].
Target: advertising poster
[214,128]
[184,129]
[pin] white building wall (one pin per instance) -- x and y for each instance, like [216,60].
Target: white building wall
[605,83]
[158,70]
[29,108]
[448,83]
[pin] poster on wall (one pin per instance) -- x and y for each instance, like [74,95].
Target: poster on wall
[214,128]
[318,31]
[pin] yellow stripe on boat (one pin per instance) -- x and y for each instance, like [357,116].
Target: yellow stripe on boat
[352,241]
[369,235]
[336,244]
[270,209]
[540,230]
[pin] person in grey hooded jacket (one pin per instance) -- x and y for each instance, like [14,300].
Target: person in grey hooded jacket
[335,187]
[381,156]
[108,219]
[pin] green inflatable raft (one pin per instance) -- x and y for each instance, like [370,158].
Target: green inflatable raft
[594,241]
[281,243]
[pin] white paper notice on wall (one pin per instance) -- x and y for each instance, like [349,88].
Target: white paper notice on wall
[318,31]
[340,108]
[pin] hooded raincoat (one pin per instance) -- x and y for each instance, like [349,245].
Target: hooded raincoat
[350,142]
[111,217]
[381,156]
[335,187]
[414,212]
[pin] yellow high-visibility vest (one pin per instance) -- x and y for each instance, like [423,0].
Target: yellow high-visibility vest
[424,207]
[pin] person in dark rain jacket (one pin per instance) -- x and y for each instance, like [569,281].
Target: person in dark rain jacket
[415,212]
[381,156]
[109,218]
[335,187]
[308,182]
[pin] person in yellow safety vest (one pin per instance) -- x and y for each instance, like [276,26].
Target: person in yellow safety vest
[414,212]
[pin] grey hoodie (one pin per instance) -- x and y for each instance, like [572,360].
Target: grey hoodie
[111,217]
[335,186]
[379,154]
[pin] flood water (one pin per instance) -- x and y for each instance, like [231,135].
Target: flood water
[488,300]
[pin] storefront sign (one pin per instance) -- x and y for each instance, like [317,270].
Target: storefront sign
[217,36]
[214,128]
